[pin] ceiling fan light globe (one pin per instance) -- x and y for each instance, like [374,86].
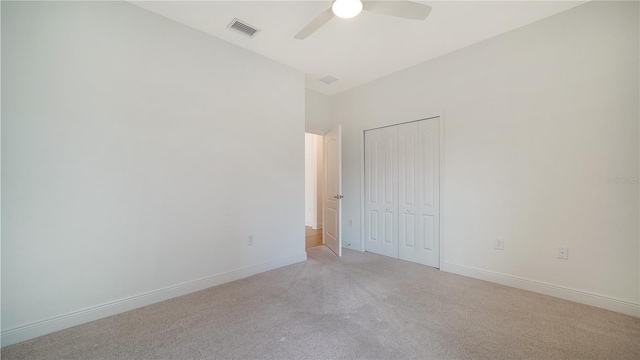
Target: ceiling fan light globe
[346,9]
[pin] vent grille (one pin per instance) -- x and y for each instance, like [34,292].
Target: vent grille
[243,28]
[328,79]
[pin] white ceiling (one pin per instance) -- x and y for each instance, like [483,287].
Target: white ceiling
[356,50]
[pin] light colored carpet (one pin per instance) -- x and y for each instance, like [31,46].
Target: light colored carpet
[362,306]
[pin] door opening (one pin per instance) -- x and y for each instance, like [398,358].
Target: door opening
[314,188]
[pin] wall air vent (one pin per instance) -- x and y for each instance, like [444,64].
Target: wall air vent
[243,28]
[328,79]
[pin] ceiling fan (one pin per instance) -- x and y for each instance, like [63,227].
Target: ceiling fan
[349,8]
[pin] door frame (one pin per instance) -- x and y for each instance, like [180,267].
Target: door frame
[320,133]
[441,238]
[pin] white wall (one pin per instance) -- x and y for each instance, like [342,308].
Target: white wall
[137,156]
[318,121]
[0,170]
[536,122]
[313,180]
[317,112]
[310,181]
[320,180]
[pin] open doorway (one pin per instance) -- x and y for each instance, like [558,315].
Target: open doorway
[314,186]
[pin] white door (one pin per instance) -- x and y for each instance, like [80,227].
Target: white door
[408,192]
[428,214]
[402,191]
[419,190]
[381,191]
[332,190]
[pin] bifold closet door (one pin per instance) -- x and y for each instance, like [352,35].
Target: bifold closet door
[409,217]
[381,191]
[402,191]
[419,192]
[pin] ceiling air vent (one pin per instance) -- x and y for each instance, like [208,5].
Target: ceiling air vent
[328,79]
[243,28]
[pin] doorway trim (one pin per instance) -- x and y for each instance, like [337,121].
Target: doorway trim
[441,122]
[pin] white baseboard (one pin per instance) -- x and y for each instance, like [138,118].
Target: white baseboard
[314,226]
[351,245]
[33,330]
[561,292]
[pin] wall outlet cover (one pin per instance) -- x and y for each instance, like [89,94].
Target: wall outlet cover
[563,253]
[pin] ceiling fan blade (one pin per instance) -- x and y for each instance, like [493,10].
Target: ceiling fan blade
[315,24]
[402,8]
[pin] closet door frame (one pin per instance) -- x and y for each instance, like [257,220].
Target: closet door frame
[441,123]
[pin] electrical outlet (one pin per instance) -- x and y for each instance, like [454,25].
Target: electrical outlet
[563,253]
[499,244]
[250,240]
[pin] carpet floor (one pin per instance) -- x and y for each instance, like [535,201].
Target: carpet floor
[362,306]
